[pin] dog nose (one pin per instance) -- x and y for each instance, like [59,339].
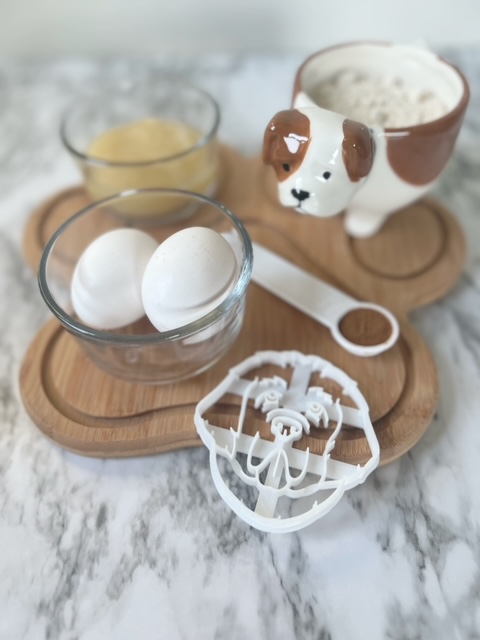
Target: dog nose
[300,195]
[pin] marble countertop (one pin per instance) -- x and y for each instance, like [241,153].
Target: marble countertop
[143,548]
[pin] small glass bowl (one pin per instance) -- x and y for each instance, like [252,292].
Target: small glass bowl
[138,352]
[135,111]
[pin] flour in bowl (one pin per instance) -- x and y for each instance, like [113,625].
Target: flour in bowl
[384,102]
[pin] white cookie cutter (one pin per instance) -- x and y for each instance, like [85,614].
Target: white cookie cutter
[284,488]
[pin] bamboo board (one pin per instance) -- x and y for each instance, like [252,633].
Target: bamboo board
[415,259]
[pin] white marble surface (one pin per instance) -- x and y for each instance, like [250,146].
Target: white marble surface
[145,548]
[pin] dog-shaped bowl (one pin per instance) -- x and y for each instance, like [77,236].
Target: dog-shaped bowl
[406,106]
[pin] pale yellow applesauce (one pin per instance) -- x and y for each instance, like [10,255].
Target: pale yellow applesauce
[149,154]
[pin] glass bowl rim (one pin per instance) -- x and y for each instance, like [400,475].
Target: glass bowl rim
[86,332]
[202,142]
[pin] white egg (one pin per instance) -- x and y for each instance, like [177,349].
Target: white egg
[107,281]
[189,274]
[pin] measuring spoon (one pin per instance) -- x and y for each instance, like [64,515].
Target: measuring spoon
[375,327]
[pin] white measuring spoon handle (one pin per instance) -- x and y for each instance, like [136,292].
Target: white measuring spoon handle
[317,299]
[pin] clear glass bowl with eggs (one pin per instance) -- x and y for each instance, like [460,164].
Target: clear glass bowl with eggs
[148,133]
[150,304]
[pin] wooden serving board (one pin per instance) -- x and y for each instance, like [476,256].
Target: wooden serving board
[415,258]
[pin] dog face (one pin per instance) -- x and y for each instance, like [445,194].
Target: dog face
[319,157]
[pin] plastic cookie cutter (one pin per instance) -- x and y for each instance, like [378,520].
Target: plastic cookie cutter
[323,302]
[259,466]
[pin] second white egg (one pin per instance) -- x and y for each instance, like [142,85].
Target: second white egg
[189,274]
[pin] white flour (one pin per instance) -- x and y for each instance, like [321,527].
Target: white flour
[377,101]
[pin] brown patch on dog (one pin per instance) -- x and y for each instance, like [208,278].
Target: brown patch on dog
[357,149]
[419,156]
[421,153]
[288,124]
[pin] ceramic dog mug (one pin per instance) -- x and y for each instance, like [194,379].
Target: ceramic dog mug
[372,127]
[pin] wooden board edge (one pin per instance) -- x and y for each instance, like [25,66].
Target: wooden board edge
[41,410]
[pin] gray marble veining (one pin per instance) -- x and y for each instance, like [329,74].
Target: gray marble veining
[145,548]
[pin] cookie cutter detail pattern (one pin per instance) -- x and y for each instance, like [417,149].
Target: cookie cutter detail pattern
[270,483]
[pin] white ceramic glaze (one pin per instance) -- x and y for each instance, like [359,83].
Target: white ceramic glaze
[407,160]
[327,195]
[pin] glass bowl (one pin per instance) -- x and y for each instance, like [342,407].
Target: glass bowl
[138,352]
[157,132]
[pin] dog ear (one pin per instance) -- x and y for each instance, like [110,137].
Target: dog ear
[358,149]
[270,141]
[285,141]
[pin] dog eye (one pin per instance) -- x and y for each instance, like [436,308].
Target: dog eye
[326,175]
[286,167]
